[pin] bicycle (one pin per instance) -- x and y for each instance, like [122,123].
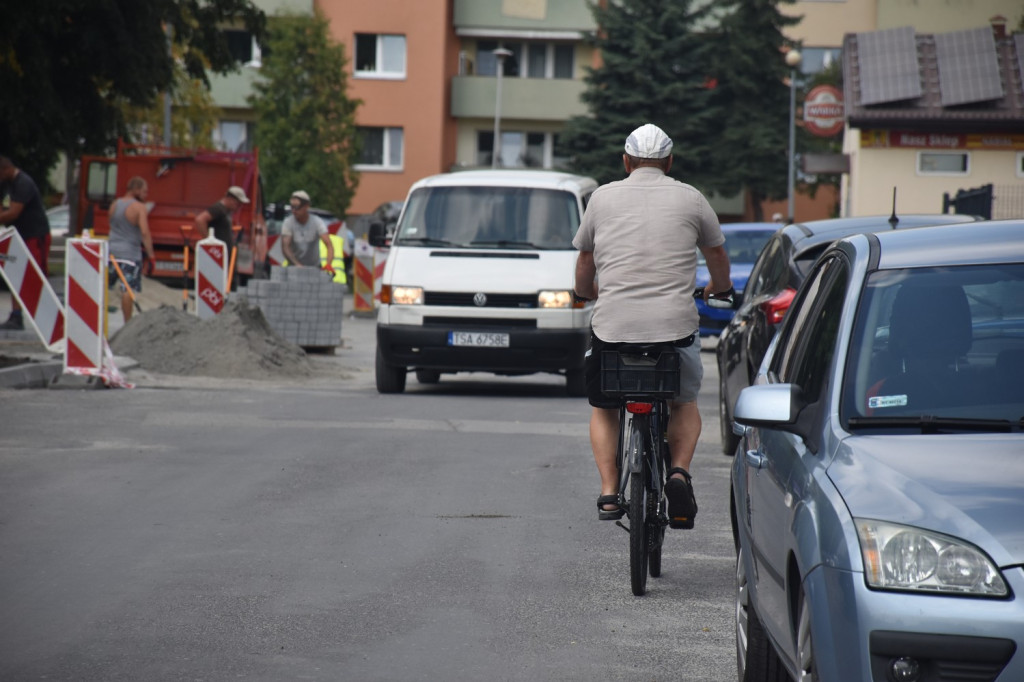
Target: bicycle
[646,377]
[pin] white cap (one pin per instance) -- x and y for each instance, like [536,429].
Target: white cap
[301,196]
[648,142]
[238,193]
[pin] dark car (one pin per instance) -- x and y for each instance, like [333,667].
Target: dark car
[877,503]
[782,266]
[743,242]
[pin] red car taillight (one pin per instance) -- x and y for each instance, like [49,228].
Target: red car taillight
[775,308]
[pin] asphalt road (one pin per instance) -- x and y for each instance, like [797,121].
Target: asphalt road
[196,529]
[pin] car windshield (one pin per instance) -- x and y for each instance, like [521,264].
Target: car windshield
[743,246]
[934,344]
[490,217]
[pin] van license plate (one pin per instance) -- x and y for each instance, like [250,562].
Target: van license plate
[480,339]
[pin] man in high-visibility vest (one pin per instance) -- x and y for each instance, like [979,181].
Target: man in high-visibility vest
[338,264]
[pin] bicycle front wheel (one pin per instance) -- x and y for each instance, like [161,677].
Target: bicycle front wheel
[638,533]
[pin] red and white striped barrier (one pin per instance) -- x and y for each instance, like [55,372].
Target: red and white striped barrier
[86,352]
[380,259]
[39,302]
[85,284]
[211,276]
[362,266]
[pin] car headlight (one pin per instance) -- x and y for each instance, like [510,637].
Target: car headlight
[554,299]
[900,557]
[403,296]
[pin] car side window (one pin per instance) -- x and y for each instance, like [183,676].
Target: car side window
[760,276]
[812,364]
[807,339]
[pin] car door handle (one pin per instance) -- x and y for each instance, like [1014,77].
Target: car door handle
[755,460]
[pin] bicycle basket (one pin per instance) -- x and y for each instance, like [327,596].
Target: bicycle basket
[633,374]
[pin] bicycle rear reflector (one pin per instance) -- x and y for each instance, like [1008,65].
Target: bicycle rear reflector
[639,408]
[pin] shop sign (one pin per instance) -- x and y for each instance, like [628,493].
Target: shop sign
[823,111]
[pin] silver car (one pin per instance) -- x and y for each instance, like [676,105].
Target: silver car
[878,492]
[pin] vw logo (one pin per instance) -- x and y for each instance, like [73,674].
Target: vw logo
[480,300]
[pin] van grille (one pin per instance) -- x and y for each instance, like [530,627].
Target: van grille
[459,323]
[443,298]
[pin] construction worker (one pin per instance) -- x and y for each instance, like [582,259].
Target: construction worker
[338,264]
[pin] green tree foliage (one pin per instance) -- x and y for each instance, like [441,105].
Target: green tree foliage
[655,69]
[305,128]
[193,119]
[751,133]
[67,67]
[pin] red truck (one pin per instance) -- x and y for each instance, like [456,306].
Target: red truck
[182,183]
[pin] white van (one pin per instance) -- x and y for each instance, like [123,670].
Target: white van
[480,279]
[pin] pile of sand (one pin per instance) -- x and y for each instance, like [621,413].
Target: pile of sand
[238,343]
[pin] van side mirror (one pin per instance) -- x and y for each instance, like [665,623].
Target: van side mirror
[379,235]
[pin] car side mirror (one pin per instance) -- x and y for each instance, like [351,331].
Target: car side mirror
[777,406]
[769,405]
[379,235]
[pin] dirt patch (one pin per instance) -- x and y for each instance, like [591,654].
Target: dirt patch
[238,343]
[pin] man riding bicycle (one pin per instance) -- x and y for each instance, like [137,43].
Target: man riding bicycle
[638,246]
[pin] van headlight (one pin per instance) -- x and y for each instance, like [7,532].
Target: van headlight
[554,299]
[402,295]
[898,557]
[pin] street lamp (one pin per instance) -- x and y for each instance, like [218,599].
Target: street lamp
[792,61]
[500,54]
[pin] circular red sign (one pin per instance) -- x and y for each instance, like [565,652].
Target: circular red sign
[823,111]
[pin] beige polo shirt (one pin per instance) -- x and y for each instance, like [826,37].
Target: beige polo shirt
[644,232]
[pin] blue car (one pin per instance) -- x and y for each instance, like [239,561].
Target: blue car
[877,493]
[744,242]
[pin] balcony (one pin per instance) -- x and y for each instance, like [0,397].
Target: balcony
[534,99]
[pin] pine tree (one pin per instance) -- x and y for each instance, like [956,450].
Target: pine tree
[752,135]
[655,69]
[306,129]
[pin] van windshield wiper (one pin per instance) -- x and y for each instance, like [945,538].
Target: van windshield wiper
[507,243]
[425,241]
[932,424]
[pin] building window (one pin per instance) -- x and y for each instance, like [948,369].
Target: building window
[232,136]
[816,59]
[382,149]
[943,163]
[528,60]
[380,56]
[243,47]
[518,149]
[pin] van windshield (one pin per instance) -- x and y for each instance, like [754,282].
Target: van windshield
[490,217]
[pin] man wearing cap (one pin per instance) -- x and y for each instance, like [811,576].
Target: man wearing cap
[638,246]
[302,232]
[218,216]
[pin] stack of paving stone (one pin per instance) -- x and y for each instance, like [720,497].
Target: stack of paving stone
[303,305]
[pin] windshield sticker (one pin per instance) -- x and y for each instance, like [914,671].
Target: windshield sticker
[876,402]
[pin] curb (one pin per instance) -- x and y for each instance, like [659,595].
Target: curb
[31,374]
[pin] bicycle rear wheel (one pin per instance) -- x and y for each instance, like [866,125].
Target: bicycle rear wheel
[638,548]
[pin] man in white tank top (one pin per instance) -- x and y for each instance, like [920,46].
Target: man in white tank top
[129,234]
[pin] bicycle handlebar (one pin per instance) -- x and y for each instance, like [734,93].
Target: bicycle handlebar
[719,299]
